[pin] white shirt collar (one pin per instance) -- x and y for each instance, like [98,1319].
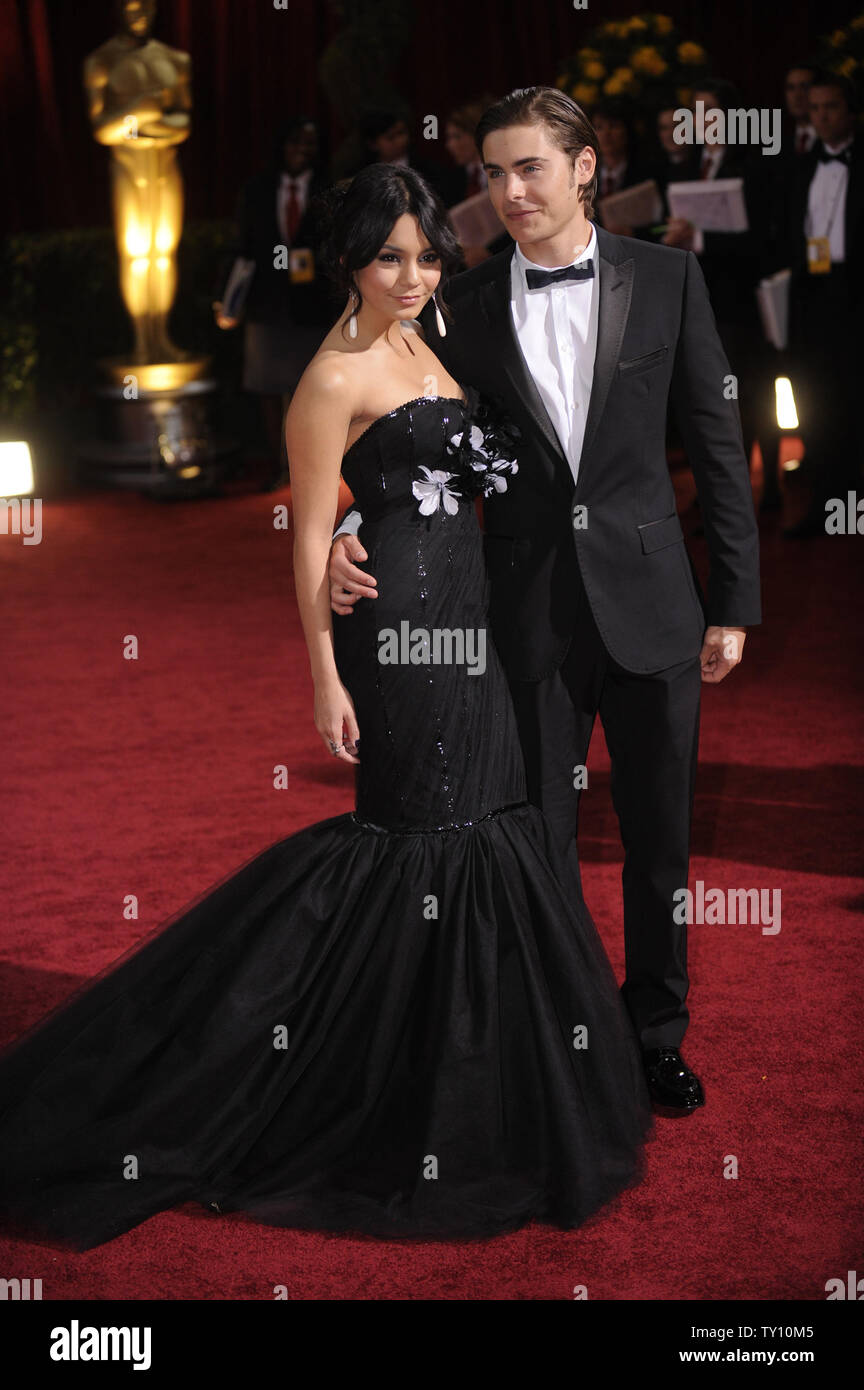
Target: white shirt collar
[837,149]
[522,262]
[302,179]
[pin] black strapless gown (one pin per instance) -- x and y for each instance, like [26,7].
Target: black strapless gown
[375,1024]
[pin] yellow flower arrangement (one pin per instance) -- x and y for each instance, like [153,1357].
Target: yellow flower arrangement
[649,60]
[843,52]
[620,83]
[691,53]
[643,57]
[584,93]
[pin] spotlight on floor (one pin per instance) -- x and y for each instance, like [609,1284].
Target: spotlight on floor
[784,400]
[16,469]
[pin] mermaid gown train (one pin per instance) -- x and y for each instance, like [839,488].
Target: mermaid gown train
[396,1021]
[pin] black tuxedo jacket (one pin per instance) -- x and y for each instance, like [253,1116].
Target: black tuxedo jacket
[657,343]
[789,240]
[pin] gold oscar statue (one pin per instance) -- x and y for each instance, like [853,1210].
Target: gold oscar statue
[139,98]
[159,436]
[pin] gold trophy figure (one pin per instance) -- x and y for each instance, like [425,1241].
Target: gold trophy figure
[139,98]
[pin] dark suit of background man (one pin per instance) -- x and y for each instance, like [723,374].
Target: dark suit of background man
[733,263]
[599,611]
[818,232]
[285,309]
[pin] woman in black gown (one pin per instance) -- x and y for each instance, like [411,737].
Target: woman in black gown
[396,1021]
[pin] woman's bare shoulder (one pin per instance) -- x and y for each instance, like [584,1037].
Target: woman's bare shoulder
[331,375]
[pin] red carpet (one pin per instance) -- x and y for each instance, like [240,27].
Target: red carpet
[155,777]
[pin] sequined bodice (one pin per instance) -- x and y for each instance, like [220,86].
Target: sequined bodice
[438,740]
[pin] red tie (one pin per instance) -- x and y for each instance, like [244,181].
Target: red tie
[801,141]
[292,212]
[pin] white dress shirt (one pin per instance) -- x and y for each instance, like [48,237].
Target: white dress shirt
[556,328]
[826,203]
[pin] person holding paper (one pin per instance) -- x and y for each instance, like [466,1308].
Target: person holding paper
[281,304]
[586,339]
[733,263]
[620,165]
[819,235]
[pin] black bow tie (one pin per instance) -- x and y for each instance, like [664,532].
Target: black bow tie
[844,156]
[537,279]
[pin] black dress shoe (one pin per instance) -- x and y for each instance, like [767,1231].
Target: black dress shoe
[674,1088]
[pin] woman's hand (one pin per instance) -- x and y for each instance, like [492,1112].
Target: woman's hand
[334,711]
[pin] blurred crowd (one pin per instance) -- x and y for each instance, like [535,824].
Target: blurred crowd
[804,211]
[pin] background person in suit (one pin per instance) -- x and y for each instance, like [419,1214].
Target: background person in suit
[585,339]
[733,263]
[621,163]
[799,133]
[818,231]
[284,309]
[468,177]
[671,162]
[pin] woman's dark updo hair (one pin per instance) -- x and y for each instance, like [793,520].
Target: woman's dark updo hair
[358,215]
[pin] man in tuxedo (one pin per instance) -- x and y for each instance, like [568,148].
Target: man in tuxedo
[584,338]
[818,229]
[798,132]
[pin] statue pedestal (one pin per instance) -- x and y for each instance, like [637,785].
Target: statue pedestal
[157,434]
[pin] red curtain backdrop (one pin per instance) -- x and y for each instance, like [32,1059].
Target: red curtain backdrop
[253,63]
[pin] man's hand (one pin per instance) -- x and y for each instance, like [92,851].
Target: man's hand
[223,320]
[679,232]
[347,582]
[721,650]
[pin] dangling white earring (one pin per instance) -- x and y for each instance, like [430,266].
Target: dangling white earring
[352,322]
[439,319]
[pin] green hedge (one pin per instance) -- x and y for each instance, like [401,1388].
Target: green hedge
[61,310]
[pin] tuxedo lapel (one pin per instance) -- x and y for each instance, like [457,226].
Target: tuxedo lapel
[495,304]
[616,291]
